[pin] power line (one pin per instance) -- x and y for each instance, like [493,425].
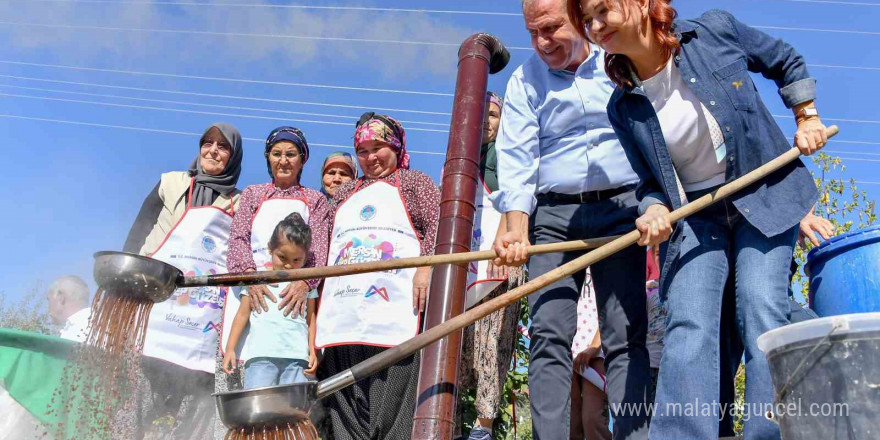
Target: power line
[833,66]
[836,31]
[855,121]
[258,5]
[348,39]
[141,107]
[855,159]
[850,152]
[212,95]
[362,8]
[831,2]
[156,130]
[226,34]
[862,182]
[238,80]
[102,95]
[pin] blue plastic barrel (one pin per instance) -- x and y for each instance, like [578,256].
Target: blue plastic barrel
[845,273]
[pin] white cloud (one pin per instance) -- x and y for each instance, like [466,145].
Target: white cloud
[388,60]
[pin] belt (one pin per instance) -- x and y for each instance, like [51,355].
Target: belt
[584,197]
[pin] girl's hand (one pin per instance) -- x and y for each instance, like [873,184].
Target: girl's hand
[229,362]
[293,299]
[313,363]
[654,226]
[810,135]
[421,281]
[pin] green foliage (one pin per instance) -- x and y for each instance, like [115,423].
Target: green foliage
[841,202]
[30,313]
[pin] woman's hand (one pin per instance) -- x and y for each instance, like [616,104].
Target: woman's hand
[654,226]
[494,272]
[421,281]
[812,224]
[229,362]
[258,295]
[810,135]
[293,299]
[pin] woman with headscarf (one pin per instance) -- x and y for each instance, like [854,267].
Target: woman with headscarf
[338,168]
[185,221]
[390,212]
[487,347]
[262,208]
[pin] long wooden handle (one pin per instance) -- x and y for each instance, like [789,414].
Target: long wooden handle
[395,354]
[280,276]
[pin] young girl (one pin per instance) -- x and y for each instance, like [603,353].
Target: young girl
[279,349]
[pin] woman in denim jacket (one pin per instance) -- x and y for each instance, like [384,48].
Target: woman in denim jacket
[690,119]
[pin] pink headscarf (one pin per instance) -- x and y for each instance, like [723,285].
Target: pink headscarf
[377,129]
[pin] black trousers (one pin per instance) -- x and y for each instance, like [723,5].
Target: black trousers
[619,282]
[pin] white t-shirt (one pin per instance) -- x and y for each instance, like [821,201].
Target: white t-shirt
[687,129]
[274,335]
[76,328]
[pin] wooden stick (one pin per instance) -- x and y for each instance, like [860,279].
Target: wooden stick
[280,276]
[407,348]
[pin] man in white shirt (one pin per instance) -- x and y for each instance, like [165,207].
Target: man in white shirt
[563,175]
[69,307]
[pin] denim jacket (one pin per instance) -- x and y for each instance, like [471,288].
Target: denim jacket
[716,55]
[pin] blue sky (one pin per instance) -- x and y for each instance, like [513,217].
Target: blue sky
[72,189]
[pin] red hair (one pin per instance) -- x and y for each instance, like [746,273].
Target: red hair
[618,66]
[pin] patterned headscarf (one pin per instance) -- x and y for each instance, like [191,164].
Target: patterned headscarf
[492,97]
[290,134]
[383,128]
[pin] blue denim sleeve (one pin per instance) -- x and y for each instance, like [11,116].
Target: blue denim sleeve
[775,60]
[648,191]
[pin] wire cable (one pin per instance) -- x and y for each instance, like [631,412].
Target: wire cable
[142,107]
[213,78]
[212,95]
[102,95]
[156,130]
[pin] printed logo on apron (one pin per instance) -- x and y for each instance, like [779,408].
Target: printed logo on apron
[184,329]
[268,215]
[371,308]
[486,222]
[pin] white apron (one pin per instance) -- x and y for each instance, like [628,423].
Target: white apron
[371,308]
[184,328]
[486,222]
[268,215]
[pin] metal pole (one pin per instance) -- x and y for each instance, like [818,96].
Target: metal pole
[478,56]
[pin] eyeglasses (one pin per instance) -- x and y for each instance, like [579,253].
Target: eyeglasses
[290,155]
[221,145]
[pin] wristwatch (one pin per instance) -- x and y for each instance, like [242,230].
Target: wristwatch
[806,112]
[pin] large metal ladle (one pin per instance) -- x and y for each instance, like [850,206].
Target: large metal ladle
[156,280]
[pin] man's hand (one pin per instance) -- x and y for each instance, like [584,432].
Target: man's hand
[511,247]
[293,299]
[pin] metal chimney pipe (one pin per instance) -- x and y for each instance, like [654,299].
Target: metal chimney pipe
[478,56]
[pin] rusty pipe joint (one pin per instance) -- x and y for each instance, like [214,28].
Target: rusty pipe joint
[488,47]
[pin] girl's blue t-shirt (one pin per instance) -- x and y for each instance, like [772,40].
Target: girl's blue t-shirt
[272,334]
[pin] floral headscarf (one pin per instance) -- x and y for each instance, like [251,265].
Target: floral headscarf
[383,128]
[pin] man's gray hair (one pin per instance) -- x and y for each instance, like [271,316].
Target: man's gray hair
[72,287]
